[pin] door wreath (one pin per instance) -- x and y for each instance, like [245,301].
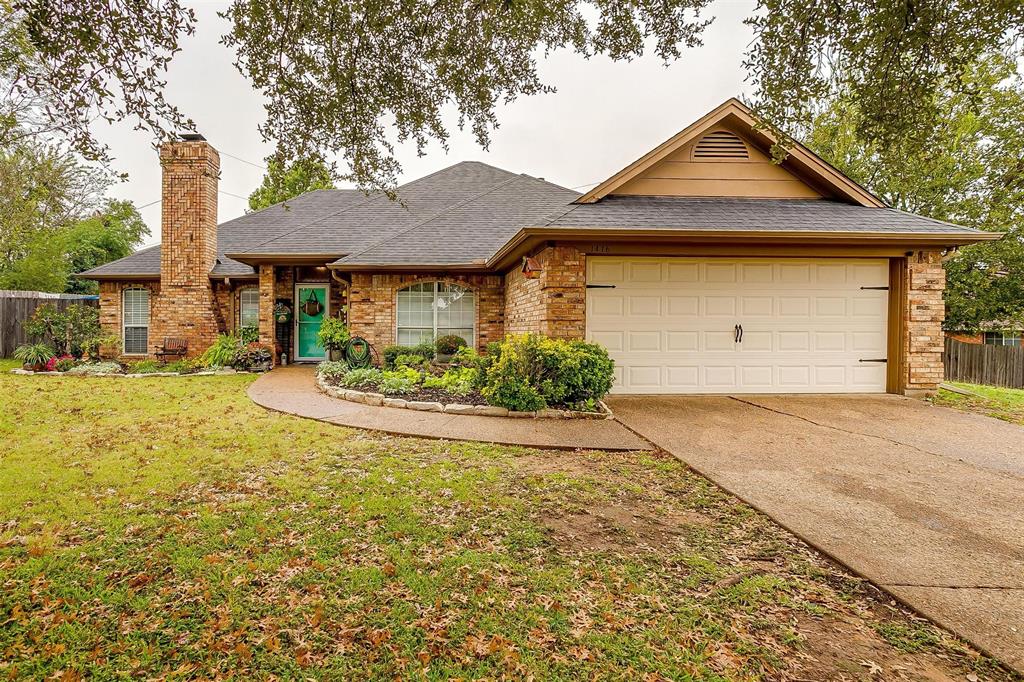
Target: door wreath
[312,305]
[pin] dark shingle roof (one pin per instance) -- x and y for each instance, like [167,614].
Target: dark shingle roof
[464,214]
[472,230]
[237,234]
[733,215]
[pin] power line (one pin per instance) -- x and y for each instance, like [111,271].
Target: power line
[236,196]
[238,158]
[589,184]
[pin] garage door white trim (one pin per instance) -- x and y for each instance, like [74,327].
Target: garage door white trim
[672,325]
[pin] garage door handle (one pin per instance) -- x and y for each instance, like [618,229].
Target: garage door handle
[873,360]
[738,333]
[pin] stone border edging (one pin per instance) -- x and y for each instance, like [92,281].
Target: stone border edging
[26,372]
[381,400]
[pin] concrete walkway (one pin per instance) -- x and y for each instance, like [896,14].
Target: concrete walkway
[293,390]
[924,501]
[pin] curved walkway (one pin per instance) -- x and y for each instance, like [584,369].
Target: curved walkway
[293,390]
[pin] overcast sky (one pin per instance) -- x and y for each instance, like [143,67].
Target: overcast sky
[603,115]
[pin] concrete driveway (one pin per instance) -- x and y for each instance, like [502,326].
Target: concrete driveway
[926,502]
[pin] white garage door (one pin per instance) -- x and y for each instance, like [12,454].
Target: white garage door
[712,325]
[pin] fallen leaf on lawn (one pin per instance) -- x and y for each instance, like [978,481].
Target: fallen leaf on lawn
[873,668]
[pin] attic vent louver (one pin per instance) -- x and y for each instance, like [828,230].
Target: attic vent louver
[720,145]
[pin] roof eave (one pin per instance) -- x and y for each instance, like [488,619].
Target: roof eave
[255,259]
[103,277]
[478,266]
[508,253]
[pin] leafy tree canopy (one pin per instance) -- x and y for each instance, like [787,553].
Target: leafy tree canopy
[350,77]
[282,182]
[55,221]
[969,171]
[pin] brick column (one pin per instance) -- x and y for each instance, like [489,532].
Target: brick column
[267,335]
[923,312]
[555,303]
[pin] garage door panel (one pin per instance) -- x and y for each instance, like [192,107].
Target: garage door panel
[683,306]
[757,306]
[608,271]
[720,306]
[669,324]
[644,342]
[794,306]
[644,271]
[678,377]
[682,341]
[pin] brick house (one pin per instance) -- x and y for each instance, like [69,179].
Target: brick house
[703,267]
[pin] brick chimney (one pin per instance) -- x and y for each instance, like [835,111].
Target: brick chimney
[185,306]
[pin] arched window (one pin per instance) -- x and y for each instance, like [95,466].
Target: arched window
[249,307]
[431,309]
[135,321]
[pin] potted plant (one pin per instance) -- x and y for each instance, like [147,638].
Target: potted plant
[254,357]
[333,336]
[33,356]
[447,346]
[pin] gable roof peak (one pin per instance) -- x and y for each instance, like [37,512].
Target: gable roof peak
[739,118]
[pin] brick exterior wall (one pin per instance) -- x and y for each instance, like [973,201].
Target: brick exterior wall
[555,302]
[186,305]
[372,304]
[923,312]
[110,312]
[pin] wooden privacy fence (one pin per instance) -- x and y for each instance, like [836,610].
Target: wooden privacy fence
[978,363]
[18,306]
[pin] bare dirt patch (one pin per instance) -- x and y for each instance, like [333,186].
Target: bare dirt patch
[619,528]
[836,648]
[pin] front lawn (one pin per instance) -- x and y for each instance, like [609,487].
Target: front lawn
[1002,403]
[167,528]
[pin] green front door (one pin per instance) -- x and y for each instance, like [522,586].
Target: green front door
[308,320]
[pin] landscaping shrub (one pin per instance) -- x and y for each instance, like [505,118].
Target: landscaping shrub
[449,344]
[183,366]
[529,372]
[252,355]
[33,353]
[333,334]
[65,363]
[70,331]
[249,334]
[331,370]
[457,380]
[411,360]
[96,368]
[391,353]
[465,357]
[222,353]
[362,377]
[146,367]
[399,381]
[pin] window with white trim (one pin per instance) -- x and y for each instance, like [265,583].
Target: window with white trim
[135,318]
[1003,338]
[249,307]
[431,309]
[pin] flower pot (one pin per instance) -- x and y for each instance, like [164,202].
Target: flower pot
[336,354]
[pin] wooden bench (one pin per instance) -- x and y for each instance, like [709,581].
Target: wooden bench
[175,348]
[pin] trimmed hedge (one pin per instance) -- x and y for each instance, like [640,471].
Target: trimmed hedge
[529,372]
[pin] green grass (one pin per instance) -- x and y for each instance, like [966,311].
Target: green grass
[169,528]
[1002,403]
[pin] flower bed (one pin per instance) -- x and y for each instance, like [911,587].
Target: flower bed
[526,375]
[427,401]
